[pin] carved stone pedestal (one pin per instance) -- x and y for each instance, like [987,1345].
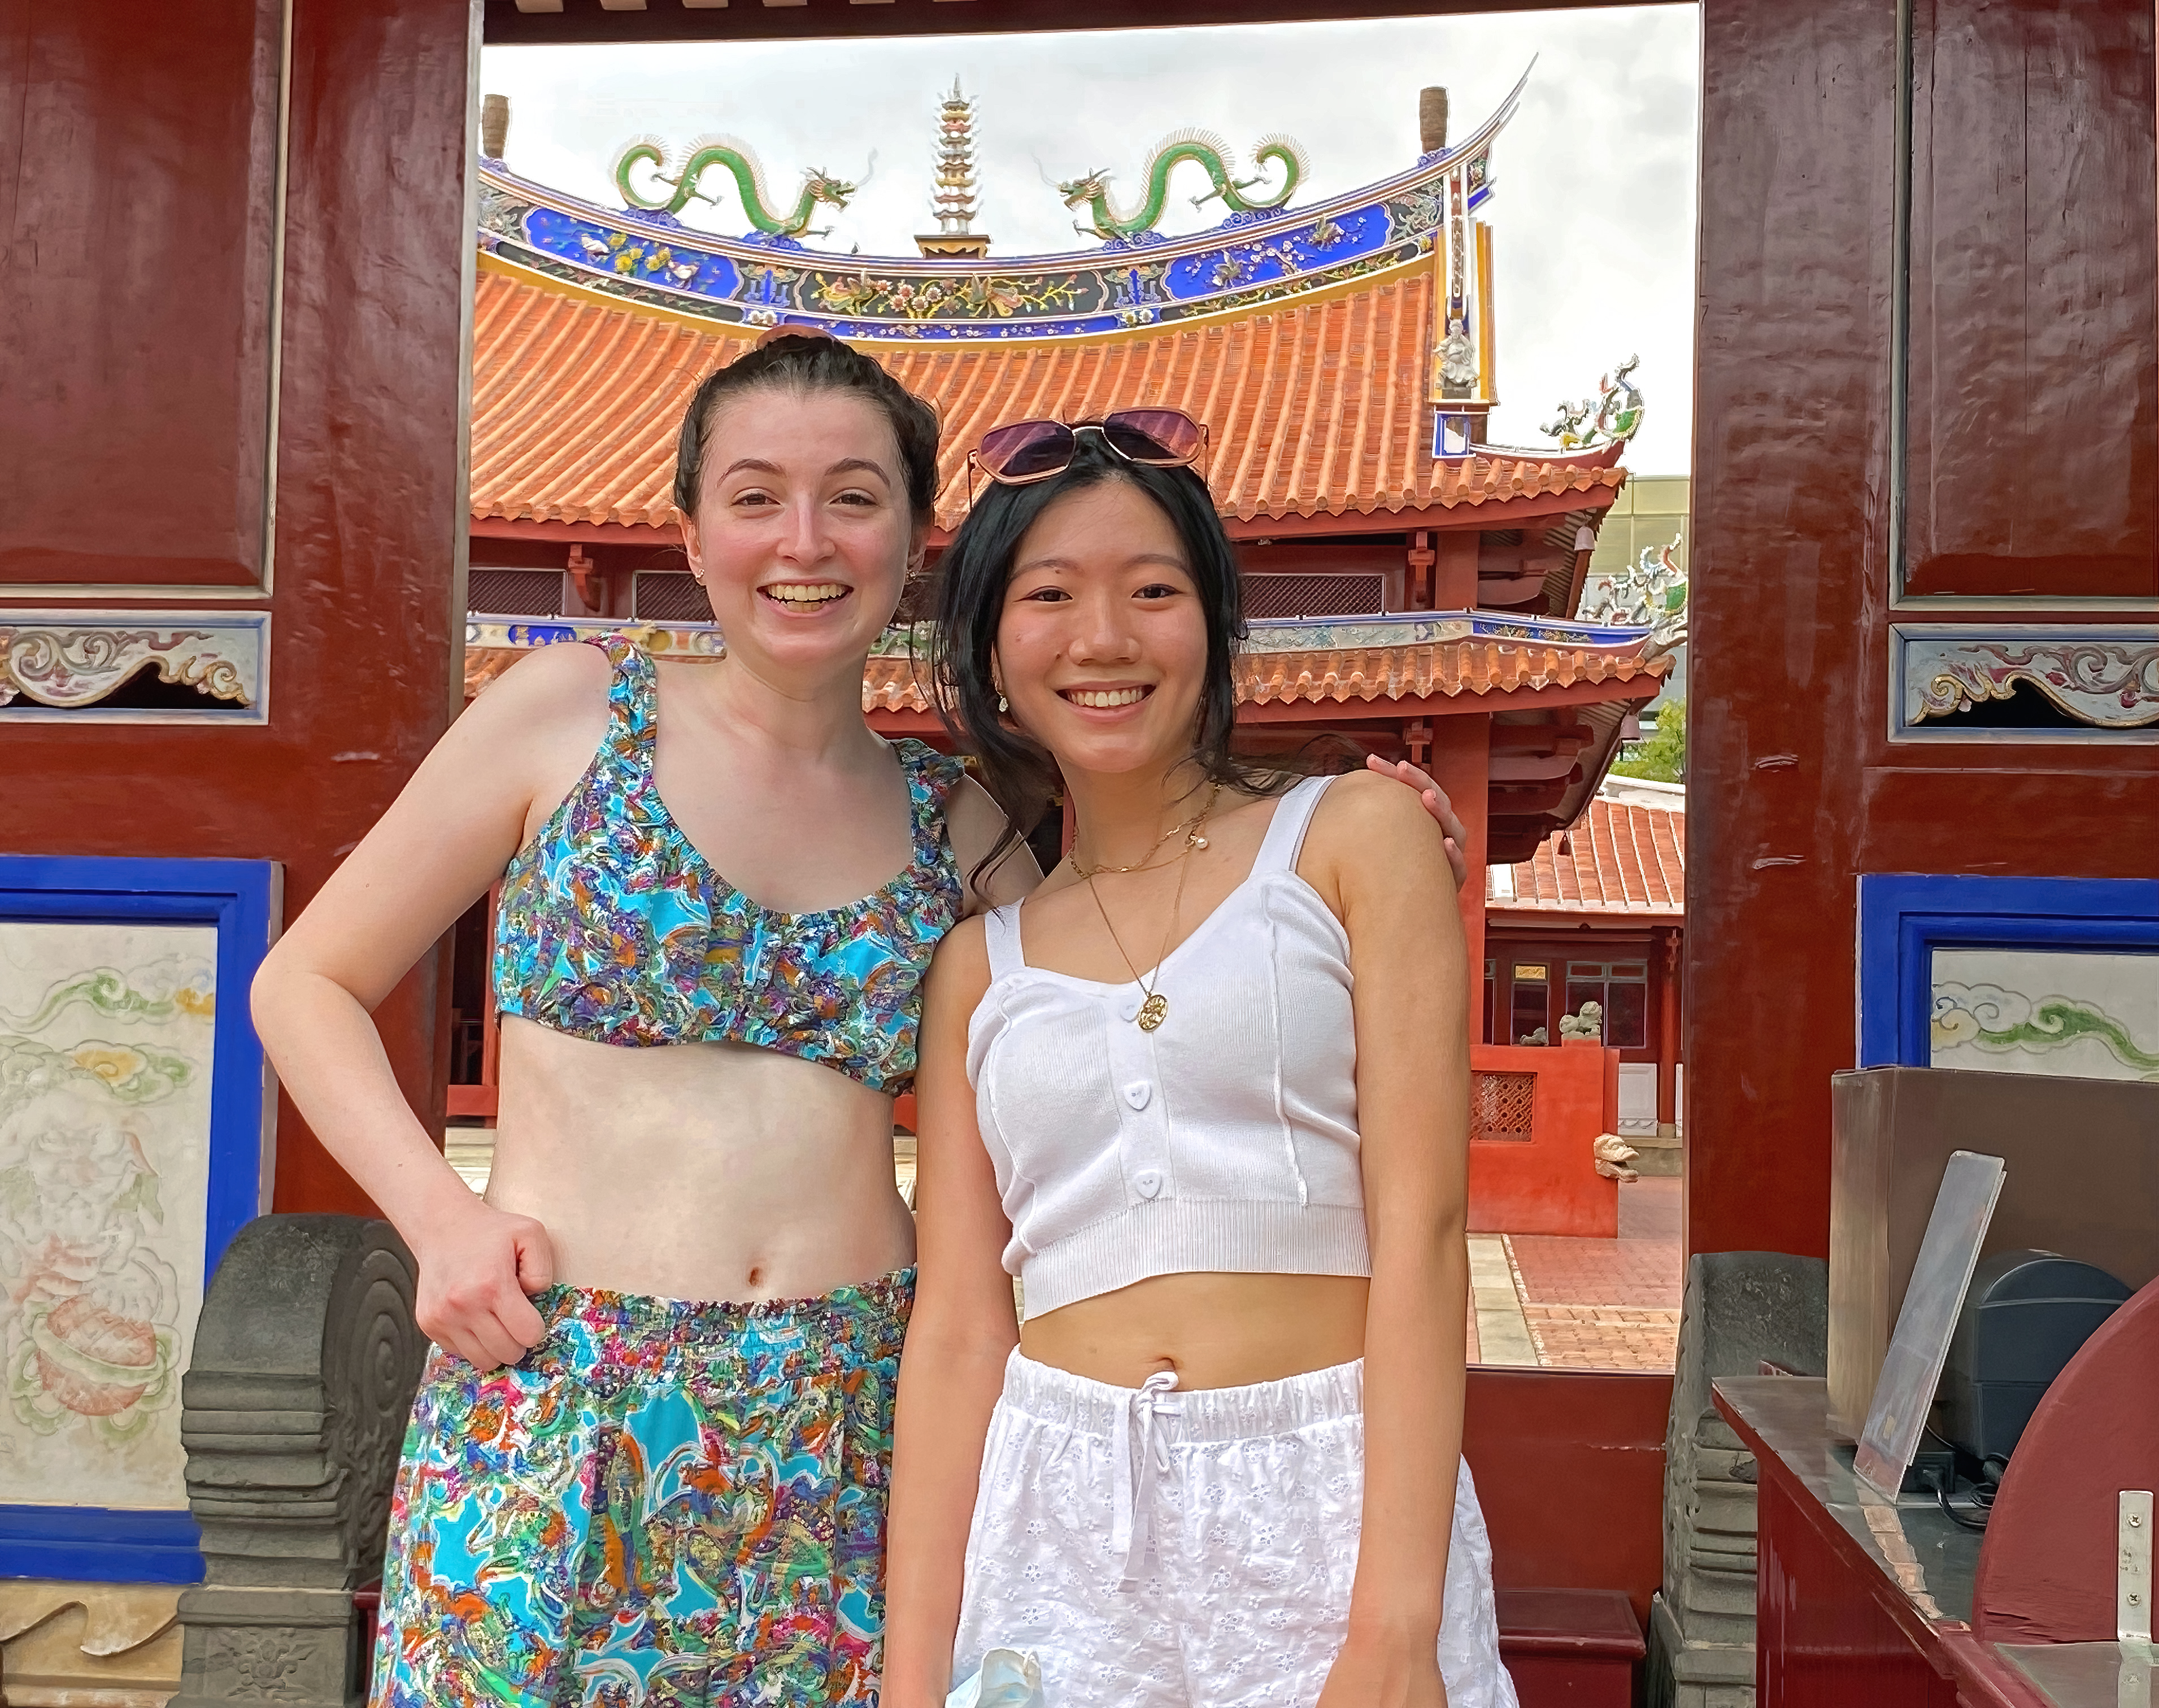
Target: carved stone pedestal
[1739,1308]
[295,1405]
[302,1647]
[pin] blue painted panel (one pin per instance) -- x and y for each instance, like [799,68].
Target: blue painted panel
[100,1545]
[239,897]
[1905,917]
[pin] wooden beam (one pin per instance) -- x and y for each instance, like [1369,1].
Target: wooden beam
[1320,557]
[1531,768]
[1541,738]
[588,533]
[518,21]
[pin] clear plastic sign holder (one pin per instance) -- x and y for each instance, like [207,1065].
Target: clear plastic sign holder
[1905,1393]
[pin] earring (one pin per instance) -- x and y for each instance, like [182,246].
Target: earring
[1002,704]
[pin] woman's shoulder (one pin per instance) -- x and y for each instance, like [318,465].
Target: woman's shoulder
[552,676]
[1363,818]
[553,692]
[960,968]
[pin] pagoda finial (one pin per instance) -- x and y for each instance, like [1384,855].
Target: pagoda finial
[954,204]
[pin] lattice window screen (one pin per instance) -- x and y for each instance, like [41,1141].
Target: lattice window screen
[1313,595]
[669,596]
[514,592]
[1501,1107]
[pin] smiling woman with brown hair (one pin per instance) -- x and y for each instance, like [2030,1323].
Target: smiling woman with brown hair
[648,1456]
[1206,1093]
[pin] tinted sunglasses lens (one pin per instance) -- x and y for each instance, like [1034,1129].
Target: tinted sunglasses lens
[1025,447]
[1153,435]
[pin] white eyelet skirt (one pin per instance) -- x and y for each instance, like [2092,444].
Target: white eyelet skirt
[1161,1548]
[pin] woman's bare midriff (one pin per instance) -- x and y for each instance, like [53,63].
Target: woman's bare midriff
[697,1171]
[1214,1330]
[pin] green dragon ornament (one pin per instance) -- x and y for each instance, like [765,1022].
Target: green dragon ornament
[1211,154]
[819,187]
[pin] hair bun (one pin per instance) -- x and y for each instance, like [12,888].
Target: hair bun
[772,335]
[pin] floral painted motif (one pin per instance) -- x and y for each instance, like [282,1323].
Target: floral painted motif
[665,1504]
[103,1107]
[613,928]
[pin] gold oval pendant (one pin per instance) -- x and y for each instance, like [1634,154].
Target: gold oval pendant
[1153,1011]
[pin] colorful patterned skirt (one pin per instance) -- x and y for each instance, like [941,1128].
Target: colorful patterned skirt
[663,1503]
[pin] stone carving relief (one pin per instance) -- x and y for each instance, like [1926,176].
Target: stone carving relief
[305,1364]
[111,1644]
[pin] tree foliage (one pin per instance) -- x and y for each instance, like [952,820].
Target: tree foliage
[1662,758]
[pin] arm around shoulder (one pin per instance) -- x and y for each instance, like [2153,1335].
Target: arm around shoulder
[1385,859]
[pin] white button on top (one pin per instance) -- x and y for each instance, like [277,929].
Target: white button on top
[1137,1092]
[1129,1009]
[1148,1182]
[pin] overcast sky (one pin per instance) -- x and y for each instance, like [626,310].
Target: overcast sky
[1593,221]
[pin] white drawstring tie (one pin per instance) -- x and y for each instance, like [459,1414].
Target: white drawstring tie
[1134,1465]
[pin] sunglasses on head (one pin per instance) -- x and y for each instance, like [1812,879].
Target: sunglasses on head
[1028,451]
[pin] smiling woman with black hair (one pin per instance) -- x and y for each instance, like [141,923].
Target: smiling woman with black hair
[1206,1093]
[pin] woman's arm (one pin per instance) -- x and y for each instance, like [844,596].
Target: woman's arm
[1394,889]
[963,1329]
[444,839]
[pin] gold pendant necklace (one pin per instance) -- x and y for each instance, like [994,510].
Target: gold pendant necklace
[1155,1008]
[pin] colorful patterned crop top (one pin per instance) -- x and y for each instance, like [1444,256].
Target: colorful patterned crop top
[612,927]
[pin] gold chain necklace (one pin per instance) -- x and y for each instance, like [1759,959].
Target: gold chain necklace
[1155,1009]
[1194,840]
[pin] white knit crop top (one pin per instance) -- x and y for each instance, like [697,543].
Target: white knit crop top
[1225,1141]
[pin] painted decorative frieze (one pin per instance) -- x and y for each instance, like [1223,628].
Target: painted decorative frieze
[2082,1014]
[65,665]
[106,1034]
[2106,678]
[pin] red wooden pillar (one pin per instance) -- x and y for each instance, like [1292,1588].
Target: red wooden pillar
[1454,575]
[157,149]
[1459,763]
[1668,1029]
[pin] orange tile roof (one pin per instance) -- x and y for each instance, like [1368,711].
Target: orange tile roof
[1617,860]
[1443,667]
[1317,409]
[1440,667]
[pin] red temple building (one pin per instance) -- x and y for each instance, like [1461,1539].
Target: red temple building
[1598,914]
